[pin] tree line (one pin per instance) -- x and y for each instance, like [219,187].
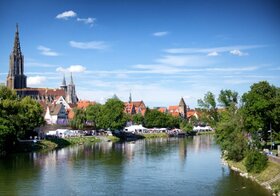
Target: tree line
[111,116]
[244,124]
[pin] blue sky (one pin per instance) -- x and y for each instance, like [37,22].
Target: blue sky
[157,50]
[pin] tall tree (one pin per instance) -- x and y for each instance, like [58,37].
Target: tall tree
[18,118]
[113,116]
[209,106]
[227,97]
[261,108]
[93,115]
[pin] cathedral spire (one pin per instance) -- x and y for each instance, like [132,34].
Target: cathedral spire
[16,78]
[130,98]
[16,49]
[71,79]
[63,81]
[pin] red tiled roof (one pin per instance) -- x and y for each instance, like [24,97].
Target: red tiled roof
[84,104]
[163,110]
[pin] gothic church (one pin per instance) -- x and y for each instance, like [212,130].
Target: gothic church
[17,81]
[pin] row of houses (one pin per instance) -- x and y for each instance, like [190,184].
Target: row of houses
[59,111]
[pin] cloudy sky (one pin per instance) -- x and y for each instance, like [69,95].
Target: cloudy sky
[158,50]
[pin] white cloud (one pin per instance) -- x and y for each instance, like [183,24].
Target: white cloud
[89,20]
[35,80]
[213,53]
[67,14]
[47,51]
[208,50]
[185,60]
[97,45]
[72,68]
[160,34]
[238,53]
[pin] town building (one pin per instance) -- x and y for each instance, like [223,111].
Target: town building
[179,110]
[135,107]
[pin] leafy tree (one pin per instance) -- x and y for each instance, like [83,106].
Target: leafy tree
[185,126]
[209,108]
[155,118]
[227,97]
[112,114]
[261,108]
[230,134]
[138,119]
[79,120]
[93,115]
[18,118]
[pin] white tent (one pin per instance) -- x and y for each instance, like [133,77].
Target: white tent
[135,128]
[199,128]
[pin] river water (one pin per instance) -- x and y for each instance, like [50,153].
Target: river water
[165,166]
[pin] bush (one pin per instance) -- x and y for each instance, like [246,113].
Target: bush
[255,161]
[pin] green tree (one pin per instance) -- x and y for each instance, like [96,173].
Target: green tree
[138,118]
[209,108]
[112,115]
[230,134]
[93,115]
[18,118]
[227,97]
[261,108]
[79,120]
[155,118]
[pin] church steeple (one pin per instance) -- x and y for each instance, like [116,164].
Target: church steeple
[16,49]
[71,79]
[16,78]
[71,96]
[63,84]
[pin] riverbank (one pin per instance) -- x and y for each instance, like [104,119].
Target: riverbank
[205,132]
[155,135]
[269,178]
[57,143]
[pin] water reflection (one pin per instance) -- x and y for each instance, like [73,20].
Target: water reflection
[163,166]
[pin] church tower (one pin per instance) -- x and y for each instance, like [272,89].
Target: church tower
[182,108]
[71,96]
[16,78]
[63,84]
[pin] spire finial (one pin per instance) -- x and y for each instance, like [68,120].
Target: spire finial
[71,78]
[17,27]
[130,98]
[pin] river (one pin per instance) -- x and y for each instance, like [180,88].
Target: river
[164,166]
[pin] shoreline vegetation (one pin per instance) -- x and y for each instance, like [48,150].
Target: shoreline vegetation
[269,178]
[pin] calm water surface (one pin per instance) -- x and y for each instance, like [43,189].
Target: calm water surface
[172,166]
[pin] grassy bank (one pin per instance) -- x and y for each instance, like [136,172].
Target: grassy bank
[113,138]
[154,135]
[264,178]
[205,132]
[55,143]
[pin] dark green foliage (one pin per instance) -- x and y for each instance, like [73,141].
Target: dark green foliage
[261,107]
[108,116]
[138,119]
[18,118]
[209,109]
[227,98]
[255,161]
[185,126]
[79,120]
[229,134]
[155,118]
[93,115]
